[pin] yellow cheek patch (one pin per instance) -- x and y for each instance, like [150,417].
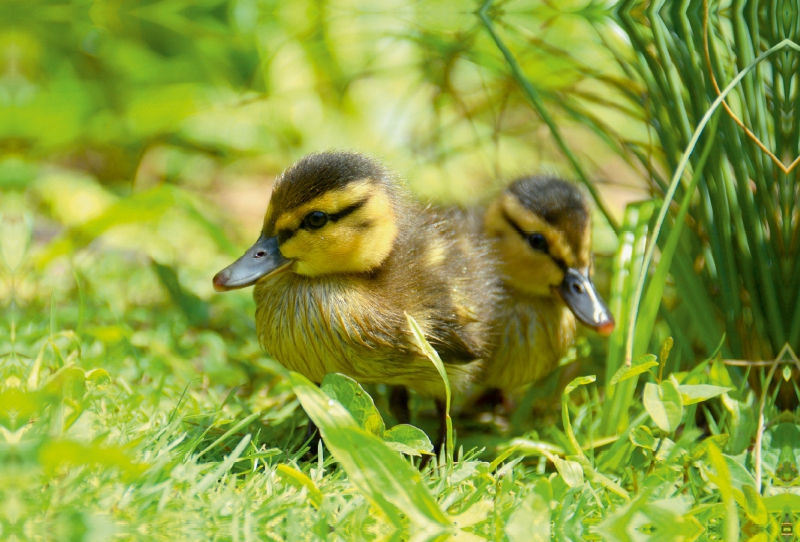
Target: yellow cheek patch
[330,202]
[528,271]
[357,243]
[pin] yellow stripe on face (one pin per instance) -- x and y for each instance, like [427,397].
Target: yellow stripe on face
[585,256]
[330,202]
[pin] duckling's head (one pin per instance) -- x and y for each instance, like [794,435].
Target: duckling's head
[543,232]
[330,213]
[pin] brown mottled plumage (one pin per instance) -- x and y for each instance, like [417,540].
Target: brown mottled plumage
[541,229]
[350,253]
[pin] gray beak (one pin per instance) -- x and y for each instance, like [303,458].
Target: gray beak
[582,298]
[262,259]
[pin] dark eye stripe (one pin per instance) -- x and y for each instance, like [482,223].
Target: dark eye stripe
[514,225]
[286,233]
[559,262]
[347,210]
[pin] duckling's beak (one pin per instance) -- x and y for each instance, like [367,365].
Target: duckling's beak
[582,298]
[262,259]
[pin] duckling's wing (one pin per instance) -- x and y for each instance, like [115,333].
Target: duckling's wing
[452,348]
[460,329]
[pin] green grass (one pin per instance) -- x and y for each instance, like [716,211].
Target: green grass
[136,404]
[122,420]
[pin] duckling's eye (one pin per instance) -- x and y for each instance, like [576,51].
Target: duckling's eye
[315,220]
[538,242]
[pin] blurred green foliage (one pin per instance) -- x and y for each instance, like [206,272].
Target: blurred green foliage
[136,93]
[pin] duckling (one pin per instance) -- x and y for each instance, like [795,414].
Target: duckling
[343,254]
[541,229]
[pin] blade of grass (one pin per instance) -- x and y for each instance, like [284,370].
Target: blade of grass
[243,423]
[432,355]
[580,381]
[722,478]
[652,299]
[633,240]
[223,467]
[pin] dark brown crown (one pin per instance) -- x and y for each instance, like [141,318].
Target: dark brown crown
[318,173]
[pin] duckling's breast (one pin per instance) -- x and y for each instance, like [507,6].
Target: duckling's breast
[316,326]
[532,336]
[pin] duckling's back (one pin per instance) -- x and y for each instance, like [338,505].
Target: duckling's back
[455,287]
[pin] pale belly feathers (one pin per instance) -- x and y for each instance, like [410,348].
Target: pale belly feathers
[532,338]
[316,327]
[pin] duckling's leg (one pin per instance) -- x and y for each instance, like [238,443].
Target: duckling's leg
[312,437]
[487,400]
[441,411]
[441,440]
[398,404]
